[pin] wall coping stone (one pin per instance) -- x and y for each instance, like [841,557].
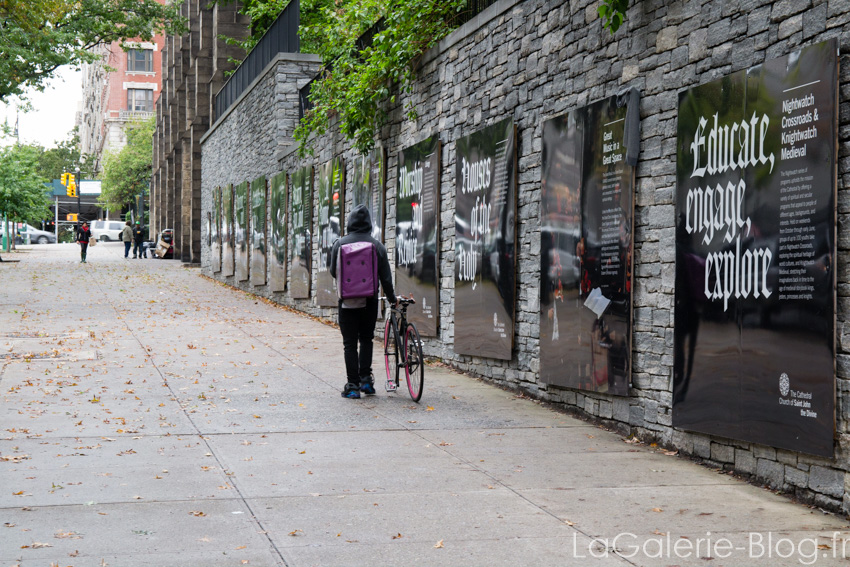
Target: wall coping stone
[279,58]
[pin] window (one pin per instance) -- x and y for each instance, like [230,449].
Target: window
[140,60]
[140,100]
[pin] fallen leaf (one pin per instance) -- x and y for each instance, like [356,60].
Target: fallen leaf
[439,544]
[294,533]
[398,536]
[197,514]
[242,547]
[657,510]
[429,408]
[569,523]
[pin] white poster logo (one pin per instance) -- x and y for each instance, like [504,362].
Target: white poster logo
[784,384]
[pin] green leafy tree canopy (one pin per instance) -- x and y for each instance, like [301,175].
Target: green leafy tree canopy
[23,195]
[127,173]
[39,36]
[359,84]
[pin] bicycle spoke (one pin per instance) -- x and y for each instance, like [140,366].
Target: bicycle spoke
[414,362]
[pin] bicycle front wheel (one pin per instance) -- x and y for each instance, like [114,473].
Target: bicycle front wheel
[391,351]
[414,363]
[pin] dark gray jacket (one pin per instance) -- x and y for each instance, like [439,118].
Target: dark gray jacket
[360,230]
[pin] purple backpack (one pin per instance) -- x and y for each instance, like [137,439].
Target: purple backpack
[357,270]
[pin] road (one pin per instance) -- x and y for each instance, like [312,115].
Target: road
[152,416]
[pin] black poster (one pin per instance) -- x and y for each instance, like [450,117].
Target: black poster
[485,242]
[300,238]
[331,182]
[586,243]
[755,254]
[417,232]
[240,230]
[227,244]
[369,187]
[259,246]
[277,244]
[215,231]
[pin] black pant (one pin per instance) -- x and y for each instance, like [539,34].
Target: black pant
[358,325]
[84,246]
[137,249]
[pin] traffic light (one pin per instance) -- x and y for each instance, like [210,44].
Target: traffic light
[72,189]
[71,217]
[66,178]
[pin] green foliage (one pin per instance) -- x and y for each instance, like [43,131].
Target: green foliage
[23,196]
[65,157]
[358,86]
[613,14]
[38,36]
[128,172]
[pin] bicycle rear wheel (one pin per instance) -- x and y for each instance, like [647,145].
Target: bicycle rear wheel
[414,362]
[391,351]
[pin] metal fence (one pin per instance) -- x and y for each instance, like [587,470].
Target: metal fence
[281,37]
[472,9]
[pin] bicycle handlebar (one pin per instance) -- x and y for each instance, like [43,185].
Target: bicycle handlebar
[401,299]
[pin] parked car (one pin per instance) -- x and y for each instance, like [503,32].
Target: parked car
[106,230]
[35,235]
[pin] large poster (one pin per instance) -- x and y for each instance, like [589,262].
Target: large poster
[215,231]
[587,211]
[485,241]
[300,237]
[277,246]
[418,233]
[369,187]
[227,244]
[258,231]
[754,337]
[331,181]
[240,230]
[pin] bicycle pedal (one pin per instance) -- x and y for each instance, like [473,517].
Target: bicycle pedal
[391,386]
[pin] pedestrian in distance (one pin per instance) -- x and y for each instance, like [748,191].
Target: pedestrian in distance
[138,240]
[360,261]
[127,238]
[83,238]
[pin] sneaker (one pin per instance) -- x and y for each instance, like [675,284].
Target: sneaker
[367,388]
[351,391]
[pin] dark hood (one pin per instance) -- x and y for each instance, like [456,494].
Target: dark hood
[360,220]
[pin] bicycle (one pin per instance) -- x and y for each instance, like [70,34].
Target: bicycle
[405,353]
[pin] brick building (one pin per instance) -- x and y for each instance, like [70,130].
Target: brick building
[112,98]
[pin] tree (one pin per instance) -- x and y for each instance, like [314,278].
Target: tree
[39,36]
[23,196]
[128,172]
[359,83]
[66,157]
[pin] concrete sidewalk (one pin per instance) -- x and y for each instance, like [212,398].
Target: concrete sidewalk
[150,416]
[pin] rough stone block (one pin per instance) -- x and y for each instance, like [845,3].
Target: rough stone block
[745,462]
[771,472]
[796,477]
[702,446]
[827,481]
[722,453]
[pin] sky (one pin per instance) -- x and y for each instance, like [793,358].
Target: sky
[52,116]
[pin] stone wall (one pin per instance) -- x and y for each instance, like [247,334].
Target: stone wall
[536,59]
